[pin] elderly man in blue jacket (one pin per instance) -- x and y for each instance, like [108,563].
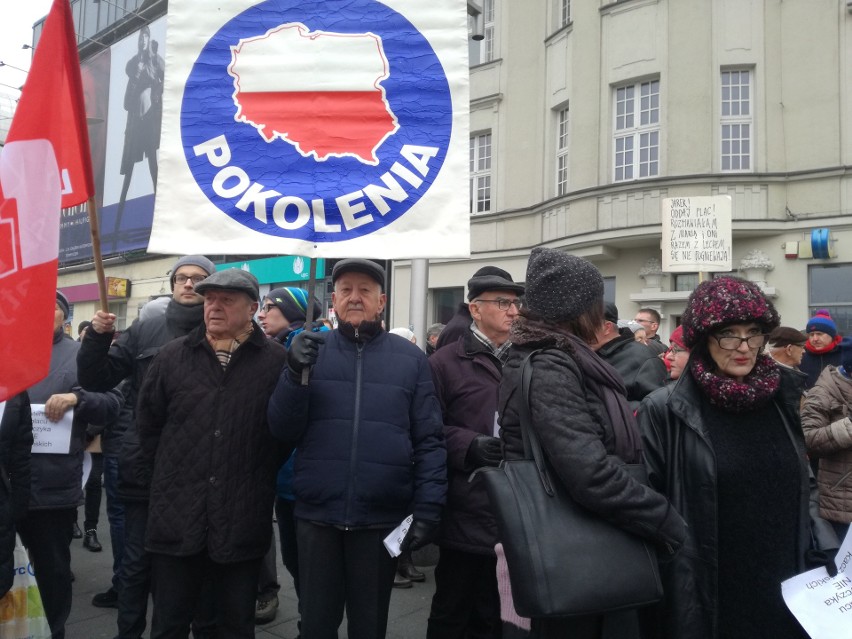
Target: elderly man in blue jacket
[371,452]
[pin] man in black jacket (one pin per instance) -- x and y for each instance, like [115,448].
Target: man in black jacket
[102,364]
[639,366]
[202,424]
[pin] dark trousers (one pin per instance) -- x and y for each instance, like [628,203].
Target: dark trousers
[46,534]
[466,604]
[340,569]
[115,515]
[287,535]
[267,579]
[178,584]
[135,573]
[94,490]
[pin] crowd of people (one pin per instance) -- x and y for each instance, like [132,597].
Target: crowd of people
[221,411]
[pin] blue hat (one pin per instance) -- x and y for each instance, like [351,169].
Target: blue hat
[823,323]
[293,303]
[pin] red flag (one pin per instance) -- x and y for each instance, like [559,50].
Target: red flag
[45,166]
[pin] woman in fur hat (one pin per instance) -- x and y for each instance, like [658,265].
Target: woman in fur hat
[728,451]
[580,413]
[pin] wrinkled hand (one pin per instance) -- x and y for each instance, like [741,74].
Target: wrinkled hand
[826,558]
[304,350]
[420,533]
[485,451]
[57,405]
[103,322]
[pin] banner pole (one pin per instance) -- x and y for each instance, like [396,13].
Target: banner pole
[94,229]
[309,312]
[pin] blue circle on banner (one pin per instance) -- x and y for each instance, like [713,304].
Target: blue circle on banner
[313,180]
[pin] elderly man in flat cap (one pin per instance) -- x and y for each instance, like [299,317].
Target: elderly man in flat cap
[371,451]
[103,363]
[202,425]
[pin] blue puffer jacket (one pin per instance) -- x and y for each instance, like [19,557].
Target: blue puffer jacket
[368,429]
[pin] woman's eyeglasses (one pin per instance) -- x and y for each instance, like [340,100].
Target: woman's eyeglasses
[732,343]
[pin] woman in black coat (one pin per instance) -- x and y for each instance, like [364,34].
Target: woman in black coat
[728,451]
[16,442]
[581,416]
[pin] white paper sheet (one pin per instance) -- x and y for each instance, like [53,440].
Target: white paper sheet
[51,437]
[393,540]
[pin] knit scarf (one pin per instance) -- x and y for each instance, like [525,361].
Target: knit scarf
[500,352]
[225,348]
[184,317]
[822,351]
[757,388]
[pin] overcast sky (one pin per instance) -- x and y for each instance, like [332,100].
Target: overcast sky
[16,28]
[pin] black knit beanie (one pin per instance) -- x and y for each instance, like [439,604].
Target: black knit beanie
[561,287]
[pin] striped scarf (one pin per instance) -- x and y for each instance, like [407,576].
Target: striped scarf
[225,348]
[500,352]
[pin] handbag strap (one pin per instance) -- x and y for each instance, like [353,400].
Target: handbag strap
[532,447]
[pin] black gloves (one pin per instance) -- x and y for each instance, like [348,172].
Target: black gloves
[304,350]
[817,558]
[420,533]
[484,451]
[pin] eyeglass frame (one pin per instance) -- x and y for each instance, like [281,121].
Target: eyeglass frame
[740,340]
[267,307]
[677,349]
[503,302]
[195,279]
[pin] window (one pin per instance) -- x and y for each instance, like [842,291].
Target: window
[685,281]
[564,12]
[562,152]
[446,303]
[637,131]
[480,173]
[482,51]
[830,287]
[736,120]
[120,311]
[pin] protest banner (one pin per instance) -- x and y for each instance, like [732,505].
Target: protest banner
[696,234]
[322,128]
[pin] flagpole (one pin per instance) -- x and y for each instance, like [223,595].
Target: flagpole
[96,252]
[309,312]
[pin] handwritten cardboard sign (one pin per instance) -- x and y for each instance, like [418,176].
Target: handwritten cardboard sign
[697,234]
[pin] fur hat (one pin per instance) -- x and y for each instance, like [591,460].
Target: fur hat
[63,304]
[723,301]
[560,286]
[491,278]
[823,323]
[193,260]
[293,303]
[358,265]
[232,279]
[784,336]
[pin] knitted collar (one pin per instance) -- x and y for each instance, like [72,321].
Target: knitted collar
[758,387]
[822,351]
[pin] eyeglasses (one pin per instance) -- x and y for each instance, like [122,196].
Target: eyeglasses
[196,279]
[267,307]
[644,321]
[731,343]
[503,304]
[677,349]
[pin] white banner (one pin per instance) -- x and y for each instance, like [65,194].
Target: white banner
[324,128]
[697,234]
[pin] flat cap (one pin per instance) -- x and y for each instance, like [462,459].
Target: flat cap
[785,336]
[358,265]
[233,279]
[611,313]
[491,278]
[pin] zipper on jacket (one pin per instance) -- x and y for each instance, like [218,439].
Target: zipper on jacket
[350,485]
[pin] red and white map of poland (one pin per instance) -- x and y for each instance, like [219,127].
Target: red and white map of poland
[319,91]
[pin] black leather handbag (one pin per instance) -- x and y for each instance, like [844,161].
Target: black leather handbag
[563,559]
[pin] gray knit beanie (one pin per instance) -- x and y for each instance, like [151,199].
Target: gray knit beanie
[195,260]
[561,287]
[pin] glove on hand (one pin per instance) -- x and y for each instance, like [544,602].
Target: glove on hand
[304,350]
[485,451]
[816,558]
[420,533]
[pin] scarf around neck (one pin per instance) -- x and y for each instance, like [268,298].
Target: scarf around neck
[822,351]
[184,317]
[225,348]
[756,389]
[500,352]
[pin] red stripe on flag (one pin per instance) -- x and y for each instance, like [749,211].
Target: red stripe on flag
[45,165]
[337,122]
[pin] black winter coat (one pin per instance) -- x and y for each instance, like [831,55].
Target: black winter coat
[16,440]
[681,463]
[368,430]
[577,438]
[204,432]
[639,366]
[467,381]
[813,364]
[102,365]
